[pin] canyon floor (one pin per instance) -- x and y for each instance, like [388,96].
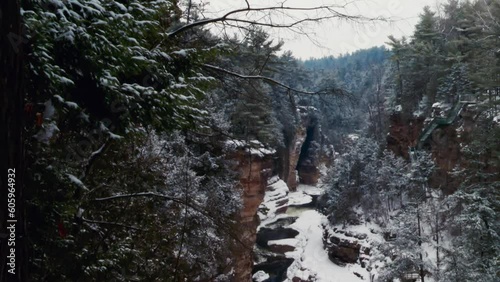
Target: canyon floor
[284,210]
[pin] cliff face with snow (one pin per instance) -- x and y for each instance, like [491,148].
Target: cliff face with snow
[265,199]
[254,167]
[300,162]
[296,243]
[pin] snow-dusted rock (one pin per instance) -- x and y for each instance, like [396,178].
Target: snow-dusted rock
[260,276]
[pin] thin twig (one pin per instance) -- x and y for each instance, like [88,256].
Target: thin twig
[142,194]
[111,223]
[226,17]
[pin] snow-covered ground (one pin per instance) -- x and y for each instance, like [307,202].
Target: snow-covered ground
[276,193]
[311,259]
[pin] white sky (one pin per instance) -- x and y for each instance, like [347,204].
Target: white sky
[337,37]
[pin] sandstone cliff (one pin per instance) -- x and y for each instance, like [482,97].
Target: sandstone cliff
[303,153]
[444,143]
[254,167]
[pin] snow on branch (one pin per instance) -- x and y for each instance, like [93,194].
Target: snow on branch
[111,223]
[94,156]
[223,226]
[143,194]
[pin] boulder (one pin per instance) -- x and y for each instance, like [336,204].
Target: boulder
[274,266]
[360,236]
[365,250]
[269,234]
[334,240]
[343,254]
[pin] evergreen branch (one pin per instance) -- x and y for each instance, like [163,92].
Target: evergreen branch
[201,210]
[142,194]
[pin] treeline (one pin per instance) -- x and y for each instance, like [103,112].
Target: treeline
[450,55]
[363,74]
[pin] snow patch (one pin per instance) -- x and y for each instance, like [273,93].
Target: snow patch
[311,259]
[353,137]
[274,197]
[46,132]
[289,242]
[299,198]
[71,105]
[76,181]
[254,147]
[260,276]
[184,52]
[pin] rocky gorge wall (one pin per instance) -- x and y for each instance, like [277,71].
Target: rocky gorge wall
[297,163]
[254,168]
[303,153]
[444,143]
[290,158]
[403,133]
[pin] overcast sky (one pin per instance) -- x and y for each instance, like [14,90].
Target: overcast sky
[337,37]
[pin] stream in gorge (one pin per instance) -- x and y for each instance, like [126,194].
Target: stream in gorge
[290,239]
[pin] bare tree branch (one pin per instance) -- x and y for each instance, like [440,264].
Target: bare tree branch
[275,82]
[142,194]
[330,12]
[255,77]
[265,63]
[111,223]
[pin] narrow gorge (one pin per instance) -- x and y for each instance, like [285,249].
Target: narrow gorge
[250,141]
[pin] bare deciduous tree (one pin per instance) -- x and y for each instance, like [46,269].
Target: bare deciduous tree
[279,16]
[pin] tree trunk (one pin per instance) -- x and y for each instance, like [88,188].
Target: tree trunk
[399,97]
[12,145]
[438,262]
[422,274]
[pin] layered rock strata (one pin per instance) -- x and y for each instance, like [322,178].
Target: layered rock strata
[255,168]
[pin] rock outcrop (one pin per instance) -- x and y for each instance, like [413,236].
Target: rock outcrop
[291,158]
[345,247]
[444,143]
[403,133]
[277,265]
[303,152]
[275,200]
[272,234]
[254,167]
